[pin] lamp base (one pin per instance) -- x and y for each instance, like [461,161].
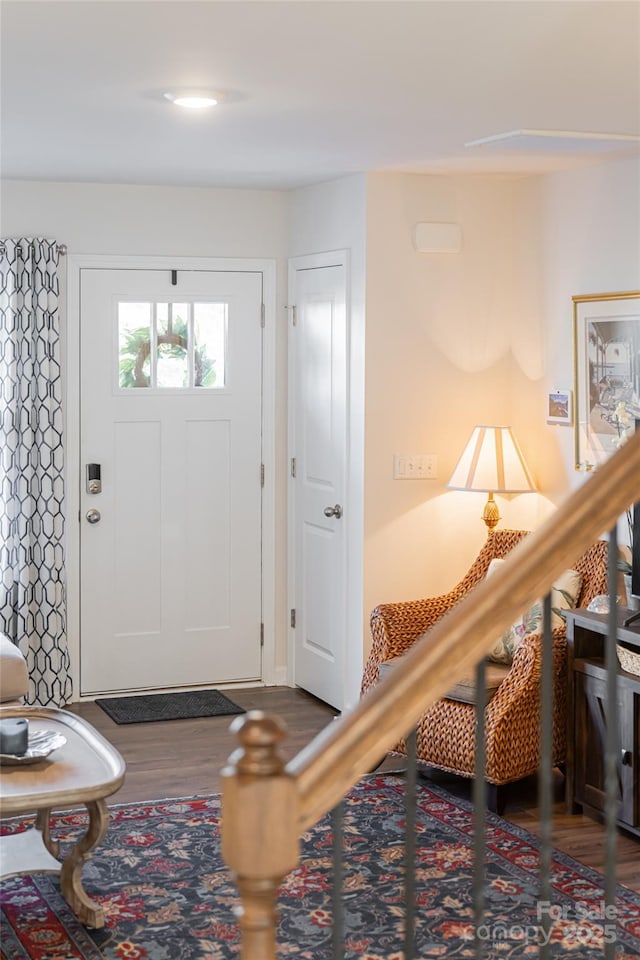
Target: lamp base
[490,514]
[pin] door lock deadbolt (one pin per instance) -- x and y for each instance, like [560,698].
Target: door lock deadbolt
[94,480]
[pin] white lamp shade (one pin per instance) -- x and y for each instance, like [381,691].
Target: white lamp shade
[492,462]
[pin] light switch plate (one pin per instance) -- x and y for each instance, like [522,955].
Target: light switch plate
[415,466]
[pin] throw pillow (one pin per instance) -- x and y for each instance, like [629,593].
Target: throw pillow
[564,595]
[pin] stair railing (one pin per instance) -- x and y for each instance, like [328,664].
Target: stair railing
[267,804]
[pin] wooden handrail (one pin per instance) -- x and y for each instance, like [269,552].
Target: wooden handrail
[336,759]
[267,805]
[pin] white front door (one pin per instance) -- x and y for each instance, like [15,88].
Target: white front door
[170,411]
[318,332]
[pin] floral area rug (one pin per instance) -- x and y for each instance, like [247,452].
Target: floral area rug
[168,896]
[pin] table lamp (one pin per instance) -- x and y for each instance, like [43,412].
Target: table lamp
[492,462]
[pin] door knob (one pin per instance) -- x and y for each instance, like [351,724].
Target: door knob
[93,516]
[627,758]
[333,511]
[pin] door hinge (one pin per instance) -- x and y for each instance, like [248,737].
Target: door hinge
[262,474]
[262,314]
[294,315]
[293,618]
[293,466]
[262,634]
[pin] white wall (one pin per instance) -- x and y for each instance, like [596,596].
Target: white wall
[438,361]
[578,232]
[323,218]
[170,221]
[455,340]
[162,221]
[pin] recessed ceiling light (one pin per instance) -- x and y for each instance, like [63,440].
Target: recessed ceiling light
[195,100]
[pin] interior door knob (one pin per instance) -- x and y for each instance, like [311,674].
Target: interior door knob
[627,758]
[333,511]
[93,516]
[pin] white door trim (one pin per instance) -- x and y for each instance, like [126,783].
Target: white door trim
[75,264]
[335,258]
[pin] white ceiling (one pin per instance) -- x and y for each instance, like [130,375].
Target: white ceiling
[313,90]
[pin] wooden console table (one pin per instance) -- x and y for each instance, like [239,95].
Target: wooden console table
[587,713]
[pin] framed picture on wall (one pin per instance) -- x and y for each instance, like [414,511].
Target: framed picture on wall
[560,407]
[606,358]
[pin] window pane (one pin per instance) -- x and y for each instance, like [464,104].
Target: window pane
[210,327]
[168,327]
[173,346]
[134,344]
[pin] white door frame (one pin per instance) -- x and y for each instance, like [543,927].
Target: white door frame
[75,264]
[310,261]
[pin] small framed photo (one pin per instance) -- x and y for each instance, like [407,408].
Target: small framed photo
[560,407]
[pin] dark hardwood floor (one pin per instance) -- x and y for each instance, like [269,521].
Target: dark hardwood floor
[182,758]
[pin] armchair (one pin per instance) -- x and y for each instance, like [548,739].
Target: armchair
[14,681]
[446,731]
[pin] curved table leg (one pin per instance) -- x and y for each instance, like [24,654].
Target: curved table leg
[42,824]
[87,911]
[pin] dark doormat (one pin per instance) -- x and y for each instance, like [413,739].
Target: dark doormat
[169,706]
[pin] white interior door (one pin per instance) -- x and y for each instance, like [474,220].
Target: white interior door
[319,416]
[170,410]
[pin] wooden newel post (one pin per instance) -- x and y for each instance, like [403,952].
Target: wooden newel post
[260,840]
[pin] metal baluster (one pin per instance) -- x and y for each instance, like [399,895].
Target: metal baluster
[545,775]
[479,809]
[337,881]
[410,795]
[611,788]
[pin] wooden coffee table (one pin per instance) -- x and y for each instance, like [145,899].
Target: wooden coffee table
[85,770]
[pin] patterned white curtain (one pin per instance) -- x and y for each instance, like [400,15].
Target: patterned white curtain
[32,571]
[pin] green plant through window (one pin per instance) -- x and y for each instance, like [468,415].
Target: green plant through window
[189,345]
